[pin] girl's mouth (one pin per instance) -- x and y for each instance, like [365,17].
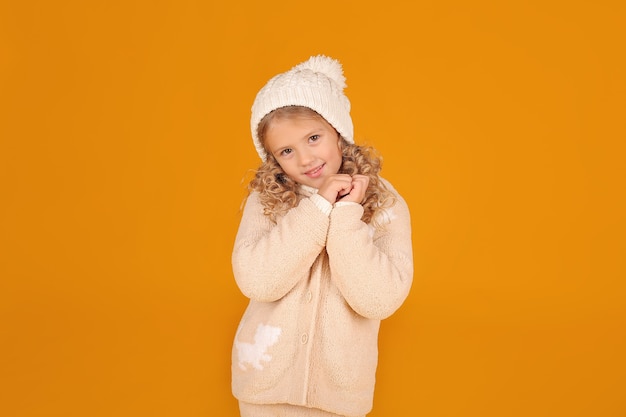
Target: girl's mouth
[316,172]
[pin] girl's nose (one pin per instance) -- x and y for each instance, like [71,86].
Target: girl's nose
[305,157]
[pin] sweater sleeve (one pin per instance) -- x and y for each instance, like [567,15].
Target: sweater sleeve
[372,269]
[270,258]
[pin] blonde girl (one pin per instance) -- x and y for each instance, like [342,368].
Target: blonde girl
[323,252]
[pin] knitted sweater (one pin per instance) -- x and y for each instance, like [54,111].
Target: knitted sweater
[319,284]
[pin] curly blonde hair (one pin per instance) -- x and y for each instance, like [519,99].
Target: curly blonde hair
[278,192]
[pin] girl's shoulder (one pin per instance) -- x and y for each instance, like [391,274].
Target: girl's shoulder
[252,202]
[389,186]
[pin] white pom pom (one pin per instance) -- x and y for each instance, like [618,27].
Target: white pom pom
[325,65]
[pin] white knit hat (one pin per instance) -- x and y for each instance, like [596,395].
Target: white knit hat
[318,84]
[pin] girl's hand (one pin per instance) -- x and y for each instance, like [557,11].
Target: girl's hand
[359,186]
[335,186]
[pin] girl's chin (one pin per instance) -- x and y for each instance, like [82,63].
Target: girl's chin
[309,182]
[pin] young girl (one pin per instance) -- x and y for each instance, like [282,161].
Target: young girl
[323,252]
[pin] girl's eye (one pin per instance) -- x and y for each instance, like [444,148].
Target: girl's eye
[314,138]
[286,152]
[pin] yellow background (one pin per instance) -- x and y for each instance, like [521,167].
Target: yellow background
[124,142]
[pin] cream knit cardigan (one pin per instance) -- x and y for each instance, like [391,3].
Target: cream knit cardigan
[318,284]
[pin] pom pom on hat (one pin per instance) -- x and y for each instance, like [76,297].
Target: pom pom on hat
[325,65]
[318,84]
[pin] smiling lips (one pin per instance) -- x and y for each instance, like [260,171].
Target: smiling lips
[315,172]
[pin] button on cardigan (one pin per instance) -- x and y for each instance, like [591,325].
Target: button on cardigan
[319,283]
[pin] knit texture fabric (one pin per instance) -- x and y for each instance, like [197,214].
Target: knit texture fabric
[318,84]
[319,284]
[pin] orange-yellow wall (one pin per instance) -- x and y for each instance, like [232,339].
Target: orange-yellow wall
[124,141]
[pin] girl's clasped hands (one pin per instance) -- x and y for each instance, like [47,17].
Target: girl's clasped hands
[343,187]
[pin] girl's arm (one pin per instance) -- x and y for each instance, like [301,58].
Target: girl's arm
[269,259]
[373,270]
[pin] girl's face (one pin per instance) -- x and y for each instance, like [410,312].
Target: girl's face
[307,149]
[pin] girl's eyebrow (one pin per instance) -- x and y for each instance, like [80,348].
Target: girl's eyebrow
[312,133]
